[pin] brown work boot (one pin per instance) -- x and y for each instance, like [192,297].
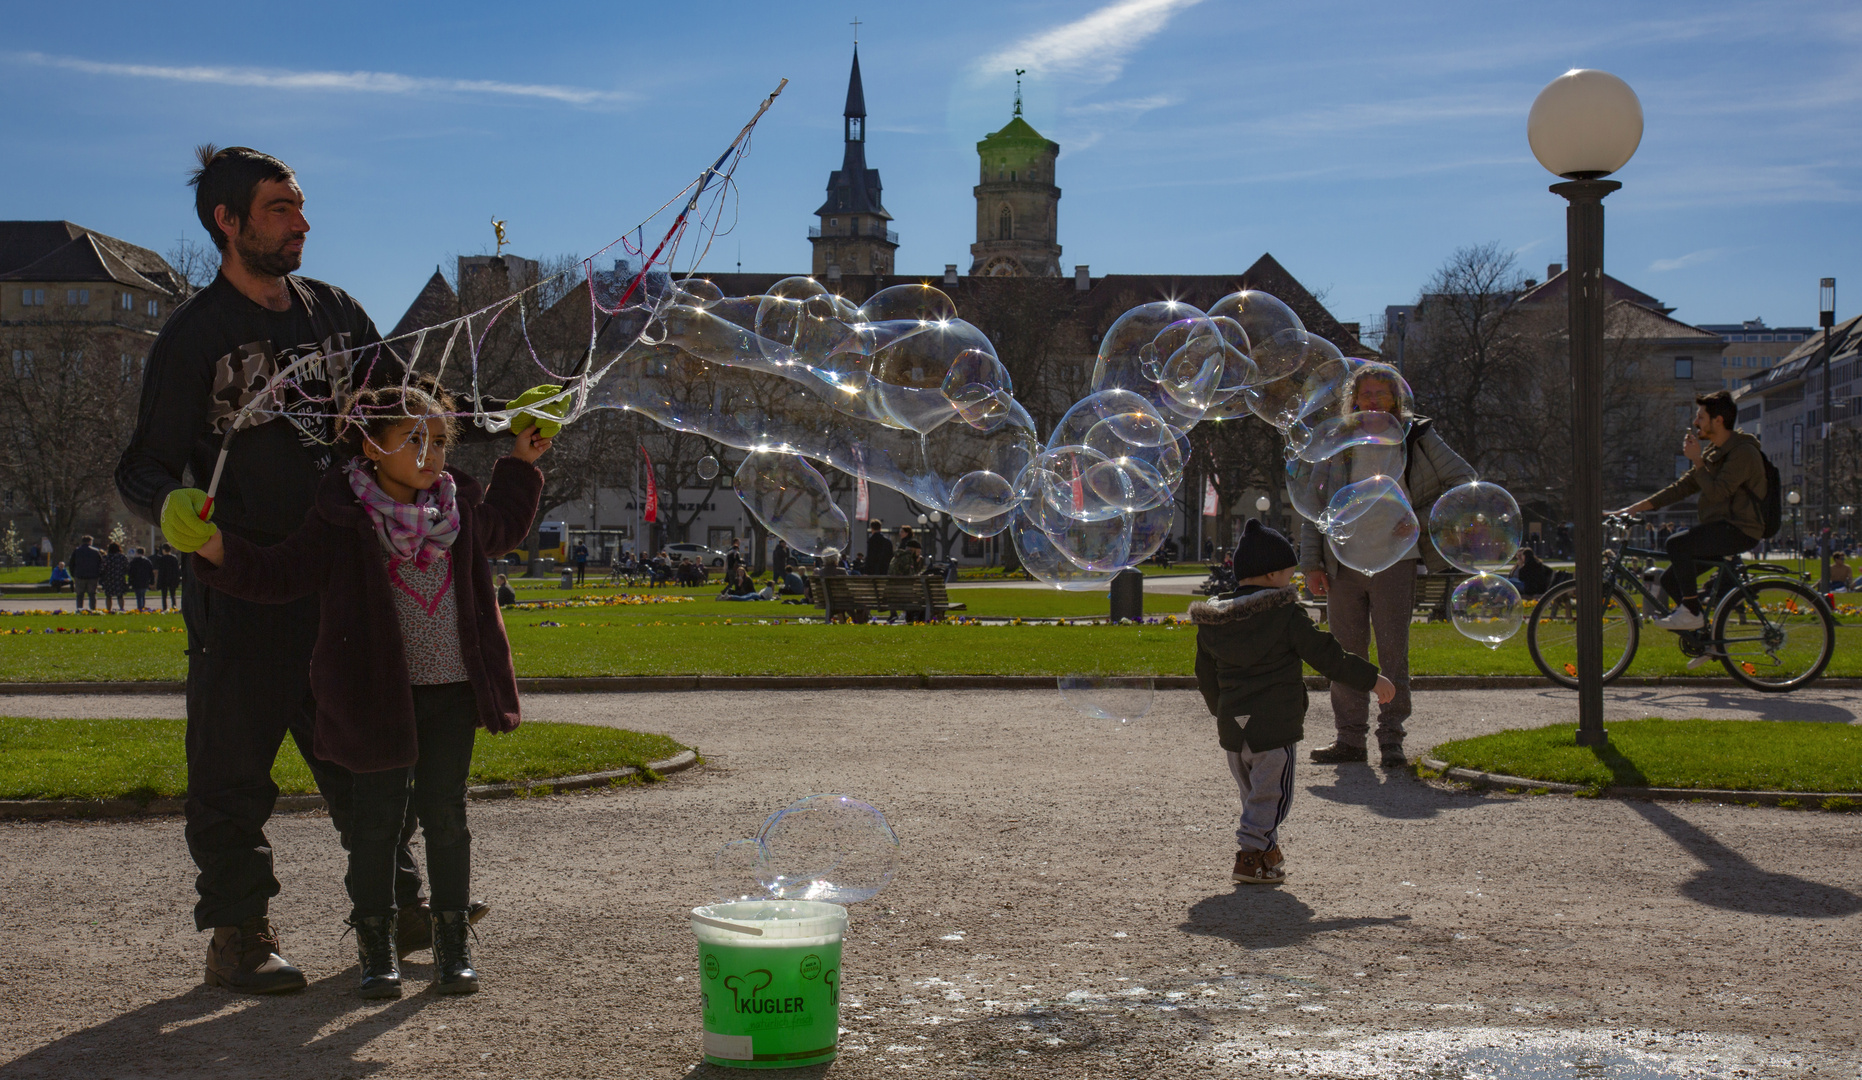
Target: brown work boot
[415,929]
[1339,754]
[1260,867]
[245,958]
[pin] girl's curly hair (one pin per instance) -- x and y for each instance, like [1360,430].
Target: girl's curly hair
[375,411]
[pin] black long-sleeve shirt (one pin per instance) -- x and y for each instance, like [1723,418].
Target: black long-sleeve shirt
[217,352]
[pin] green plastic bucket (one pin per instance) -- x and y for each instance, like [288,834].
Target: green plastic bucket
[770,973]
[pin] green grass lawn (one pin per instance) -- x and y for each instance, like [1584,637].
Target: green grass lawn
[145,759]
[683,639]
[1749,755]
[25,575]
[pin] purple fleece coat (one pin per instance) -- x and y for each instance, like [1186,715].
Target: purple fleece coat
[358,671]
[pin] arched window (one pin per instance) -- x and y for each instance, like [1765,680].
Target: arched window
[1005,225]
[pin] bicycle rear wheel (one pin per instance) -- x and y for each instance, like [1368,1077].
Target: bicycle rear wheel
[1552,634]
[1776,634]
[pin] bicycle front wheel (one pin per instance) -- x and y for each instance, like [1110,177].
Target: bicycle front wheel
[1775,634]
[1552,634]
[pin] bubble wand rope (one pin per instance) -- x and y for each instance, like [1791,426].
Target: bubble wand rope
[239,419]
[704,181]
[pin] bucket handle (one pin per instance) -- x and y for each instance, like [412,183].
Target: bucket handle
[720,924]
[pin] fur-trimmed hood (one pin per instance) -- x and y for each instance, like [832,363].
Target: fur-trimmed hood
[1241,605]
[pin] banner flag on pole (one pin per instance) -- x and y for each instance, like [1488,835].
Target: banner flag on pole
[651,514]
[1210,508]
[861,509]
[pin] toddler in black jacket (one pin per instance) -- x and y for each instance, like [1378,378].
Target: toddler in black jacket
[1250,645]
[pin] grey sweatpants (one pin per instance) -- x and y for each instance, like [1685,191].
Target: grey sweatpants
[1355,605]
[1266,782]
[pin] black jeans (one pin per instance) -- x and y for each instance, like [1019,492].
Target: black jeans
[1715,540]
[248,684]
[434,788]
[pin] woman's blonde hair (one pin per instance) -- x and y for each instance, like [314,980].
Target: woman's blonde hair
[1348,401]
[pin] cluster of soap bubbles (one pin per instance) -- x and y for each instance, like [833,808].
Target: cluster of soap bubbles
[1477,528]
[832,848]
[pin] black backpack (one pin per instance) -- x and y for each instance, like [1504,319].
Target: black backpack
[1771,507]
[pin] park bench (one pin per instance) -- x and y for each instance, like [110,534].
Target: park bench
[859,595]
[1432,593]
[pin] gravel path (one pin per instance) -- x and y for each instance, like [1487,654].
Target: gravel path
[1064,911]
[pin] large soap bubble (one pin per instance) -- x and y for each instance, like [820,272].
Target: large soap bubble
[833,848]
[1369,525]
[1044,561]
[792,500]
[1109,697]
[707,467]
[1476,526]
[737,872]
[1260,316]
[1487,608]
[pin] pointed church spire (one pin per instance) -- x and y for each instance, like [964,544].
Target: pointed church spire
[856,95]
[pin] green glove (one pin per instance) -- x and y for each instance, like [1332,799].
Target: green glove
[181,523]
[547,428]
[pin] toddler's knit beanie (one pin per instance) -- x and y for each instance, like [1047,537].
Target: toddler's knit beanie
[1262,550]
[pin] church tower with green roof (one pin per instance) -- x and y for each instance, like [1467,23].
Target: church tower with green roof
[1016,203]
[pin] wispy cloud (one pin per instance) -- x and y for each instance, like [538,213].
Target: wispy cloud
[1682,262]
[1127,107]
[1093,48]
[367,82]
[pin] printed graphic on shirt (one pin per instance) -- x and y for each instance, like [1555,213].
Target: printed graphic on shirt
[305,399]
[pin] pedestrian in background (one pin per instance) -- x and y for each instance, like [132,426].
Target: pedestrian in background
[878,549]
[115,579]
[86,570]
[167,576]
[141,578]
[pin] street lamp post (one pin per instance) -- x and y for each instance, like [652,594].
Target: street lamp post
[1584,126]
[1826,318]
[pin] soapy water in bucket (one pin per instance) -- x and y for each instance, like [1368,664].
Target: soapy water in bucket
[832,848]
[1109,697]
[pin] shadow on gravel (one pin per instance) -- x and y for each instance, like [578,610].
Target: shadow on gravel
[208,1031]
[1728,880]
[704,1070]
[1390,793]
[1679,702]
[1265,917]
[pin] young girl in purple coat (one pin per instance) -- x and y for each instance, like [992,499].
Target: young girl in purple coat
[411,655]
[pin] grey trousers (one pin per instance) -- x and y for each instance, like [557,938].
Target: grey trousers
[1356,604]
[1266,782]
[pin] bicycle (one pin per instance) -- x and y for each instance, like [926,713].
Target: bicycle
[1769,630]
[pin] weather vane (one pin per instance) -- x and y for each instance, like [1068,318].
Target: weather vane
[1019,72]
[498,227]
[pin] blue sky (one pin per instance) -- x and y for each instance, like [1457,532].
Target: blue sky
[1359,143]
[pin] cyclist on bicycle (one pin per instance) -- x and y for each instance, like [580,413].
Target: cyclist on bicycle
[1729,476]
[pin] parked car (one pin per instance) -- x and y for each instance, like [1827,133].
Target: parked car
[711,556]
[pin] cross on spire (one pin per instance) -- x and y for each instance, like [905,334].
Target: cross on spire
[1019,72]
[856,29]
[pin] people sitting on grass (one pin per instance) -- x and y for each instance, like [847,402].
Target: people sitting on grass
[1842,577]
[740,587]
[411,658]
[689,571]
[1530,575]
[506,595]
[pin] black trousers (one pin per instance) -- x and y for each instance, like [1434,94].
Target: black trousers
[248,685]
[1715,540]
[434,788]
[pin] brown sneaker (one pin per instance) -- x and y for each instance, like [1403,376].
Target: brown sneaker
[245,958]
[1260,867]
[415,929]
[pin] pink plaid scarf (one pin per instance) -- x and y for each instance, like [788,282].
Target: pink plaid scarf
[421,530]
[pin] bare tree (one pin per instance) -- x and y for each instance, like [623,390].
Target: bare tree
[68,393]
[195,266]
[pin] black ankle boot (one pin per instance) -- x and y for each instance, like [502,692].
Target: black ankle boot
[452,953]
[381,969]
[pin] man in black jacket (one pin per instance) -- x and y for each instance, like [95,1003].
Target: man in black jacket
[86,565]
[249,664]
[878,547]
